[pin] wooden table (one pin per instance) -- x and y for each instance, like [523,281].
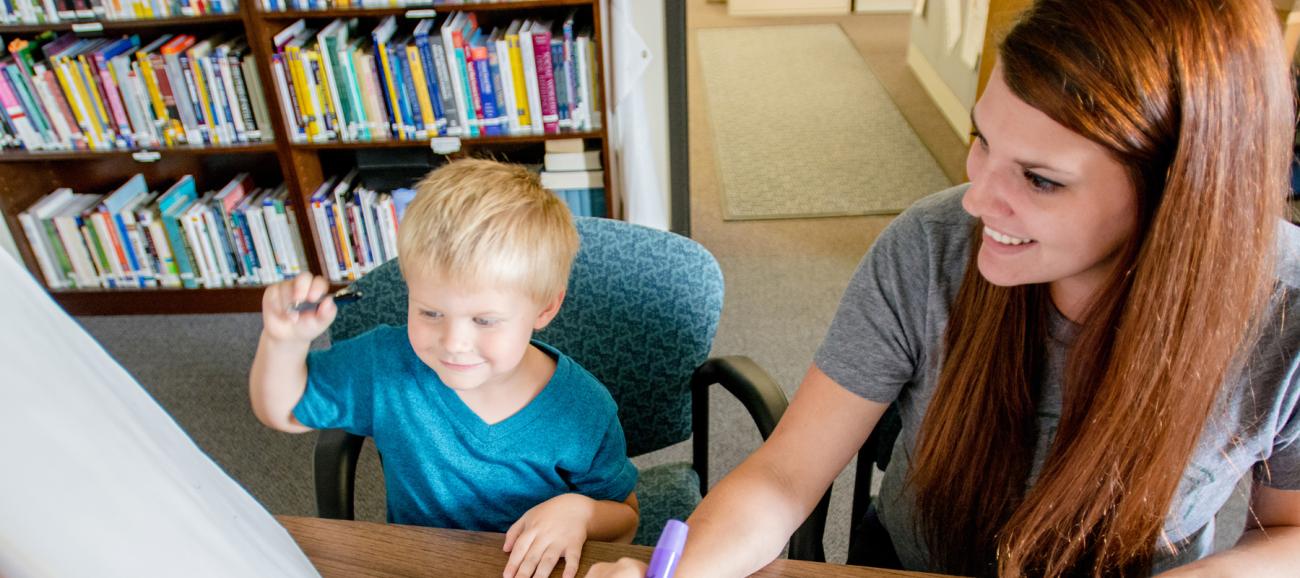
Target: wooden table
[345,548]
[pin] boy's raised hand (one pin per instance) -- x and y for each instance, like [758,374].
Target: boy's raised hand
[279,319]
[554,529]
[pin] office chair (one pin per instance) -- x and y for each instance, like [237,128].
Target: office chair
[869,543]
[640,314]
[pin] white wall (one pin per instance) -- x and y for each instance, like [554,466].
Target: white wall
[951,83]
[648,21]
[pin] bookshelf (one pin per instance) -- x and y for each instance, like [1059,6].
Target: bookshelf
[27,176]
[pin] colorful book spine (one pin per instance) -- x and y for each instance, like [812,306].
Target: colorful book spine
[520,84]
[426,92]
[545,79]
[490,123]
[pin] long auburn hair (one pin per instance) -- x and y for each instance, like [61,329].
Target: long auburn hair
[1194,99]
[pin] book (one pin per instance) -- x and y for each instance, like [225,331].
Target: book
[582,191]
[531,87]
[325,233]
[455,58]
[171,206]
[545,77]
[518,85]
[565,145]
[571,161]
[68,223]
[54,264]
[111,229]
[490,124]
[433,57]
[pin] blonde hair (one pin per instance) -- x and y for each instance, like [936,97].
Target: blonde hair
[484,222]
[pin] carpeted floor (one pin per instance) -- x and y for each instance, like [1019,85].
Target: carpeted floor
[803,129]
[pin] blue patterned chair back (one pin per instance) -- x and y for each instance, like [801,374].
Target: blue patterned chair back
[641,312]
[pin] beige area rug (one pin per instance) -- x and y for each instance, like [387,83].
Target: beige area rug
[803,129]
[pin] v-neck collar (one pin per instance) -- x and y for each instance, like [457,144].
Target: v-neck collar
[466,420]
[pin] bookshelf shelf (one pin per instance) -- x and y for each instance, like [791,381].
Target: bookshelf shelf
[379,12]
[125,25]
[27,177]
[469,142]
[26,156]
[160,301]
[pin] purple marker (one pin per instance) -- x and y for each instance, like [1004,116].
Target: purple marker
[668,551]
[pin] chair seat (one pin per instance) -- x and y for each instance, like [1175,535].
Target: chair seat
[665,492]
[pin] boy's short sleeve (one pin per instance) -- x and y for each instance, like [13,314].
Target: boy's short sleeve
[612,476]
[340,386]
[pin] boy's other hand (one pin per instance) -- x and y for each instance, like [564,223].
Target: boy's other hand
[552,529]
[281,322]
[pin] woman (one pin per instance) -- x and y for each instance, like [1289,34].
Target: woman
[1088,343]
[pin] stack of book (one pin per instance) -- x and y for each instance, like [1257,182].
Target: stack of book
[341,83]
[356,227]
[106,93]
[575,176]
[131,237]
[56,11]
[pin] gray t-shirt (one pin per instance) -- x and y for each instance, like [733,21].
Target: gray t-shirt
[885,340]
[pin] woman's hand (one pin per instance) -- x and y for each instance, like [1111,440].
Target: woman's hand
[624,568]
[554,529]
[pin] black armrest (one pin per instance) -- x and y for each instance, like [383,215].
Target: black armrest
[749,383]
[766,403]
[335,467]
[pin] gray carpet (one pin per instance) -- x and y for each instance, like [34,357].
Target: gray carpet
[802,128]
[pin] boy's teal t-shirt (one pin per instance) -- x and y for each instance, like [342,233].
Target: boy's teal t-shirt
[443,466]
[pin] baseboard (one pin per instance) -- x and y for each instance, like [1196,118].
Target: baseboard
[947,101]
[880,6]
[777,8]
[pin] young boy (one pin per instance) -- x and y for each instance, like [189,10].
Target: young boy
[480,427]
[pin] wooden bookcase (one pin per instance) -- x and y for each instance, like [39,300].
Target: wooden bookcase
[27,176]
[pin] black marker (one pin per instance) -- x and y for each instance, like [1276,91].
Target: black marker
[341,297]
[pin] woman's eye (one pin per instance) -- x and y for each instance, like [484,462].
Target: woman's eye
[1041,184]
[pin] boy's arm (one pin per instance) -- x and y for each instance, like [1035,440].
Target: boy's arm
[614,521]
[279,374]
[558,527]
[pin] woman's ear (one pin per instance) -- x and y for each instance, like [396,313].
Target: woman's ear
[549,312]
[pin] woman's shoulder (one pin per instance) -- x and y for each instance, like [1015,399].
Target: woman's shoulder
[1288,269]
[941,209]
[935,230]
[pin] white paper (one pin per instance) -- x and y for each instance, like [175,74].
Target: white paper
[951,23]
[973,37]
[918,8]
[98,480]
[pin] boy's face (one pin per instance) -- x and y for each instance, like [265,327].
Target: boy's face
[474,338]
